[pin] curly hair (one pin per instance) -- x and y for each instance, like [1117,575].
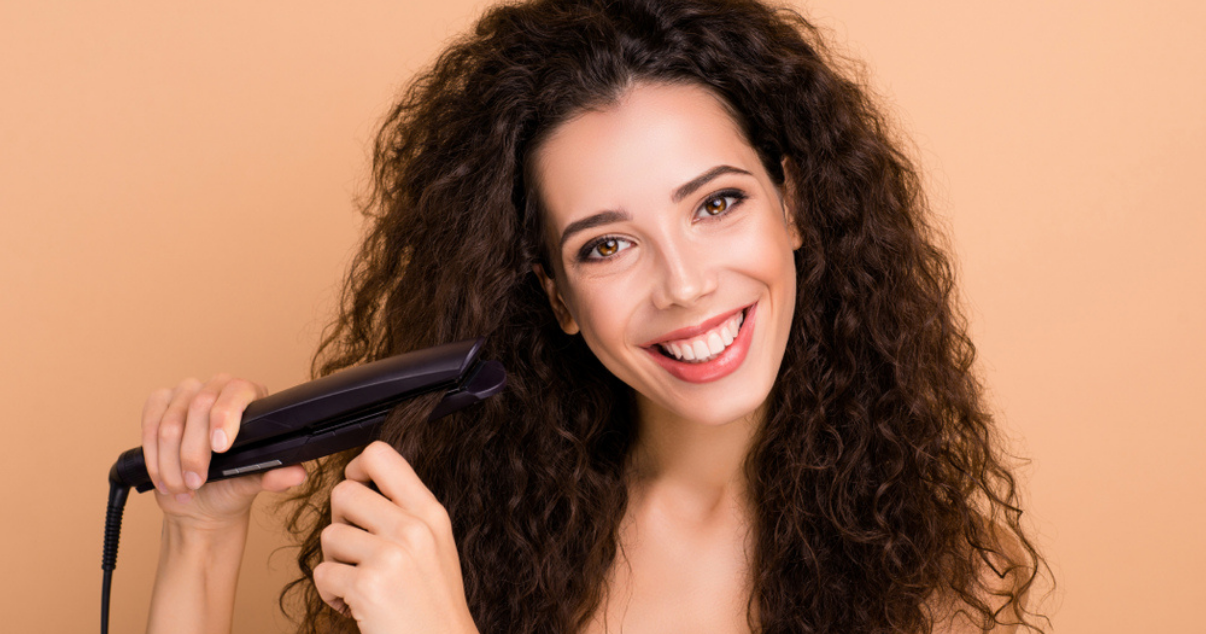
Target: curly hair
[879,485]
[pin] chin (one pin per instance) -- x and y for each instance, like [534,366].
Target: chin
[716,412]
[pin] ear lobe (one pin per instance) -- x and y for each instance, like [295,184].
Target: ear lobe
[790,200]
[793,231]
[560,310]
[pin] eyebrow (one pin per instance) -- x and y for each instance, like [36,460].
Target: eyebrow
[608,217]
[601,218]
[702,179]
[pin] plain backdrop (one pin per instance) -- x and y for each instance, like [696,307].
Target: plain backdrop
[177,198]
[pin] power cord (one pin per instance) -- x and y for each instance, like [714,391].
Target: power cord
[118,493]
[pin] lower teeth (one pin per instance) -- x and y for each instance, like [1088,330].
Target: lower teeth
[697,360]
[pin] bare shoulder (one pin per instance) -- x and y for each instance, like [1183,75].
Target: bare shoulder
[1001,586]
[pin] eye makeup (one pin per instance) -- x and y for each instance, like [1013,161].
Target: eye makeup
[734,198]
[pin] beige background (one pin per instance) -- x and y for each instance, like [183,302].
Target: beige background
[176,186]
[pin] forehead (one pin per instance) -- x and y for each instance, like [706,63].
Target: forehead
[631,155]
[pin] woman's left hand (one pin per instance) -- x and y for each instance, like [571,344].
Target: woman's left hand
[389,558]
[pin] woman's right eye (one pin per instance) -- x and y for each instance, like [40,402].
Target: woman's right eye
[603,248]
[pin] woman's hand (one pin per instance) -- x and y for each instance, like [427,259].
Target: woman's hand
[181,427]
[205,525]
[389,558]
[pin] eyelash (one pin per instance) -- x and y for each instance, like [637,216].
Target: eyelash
[584,255]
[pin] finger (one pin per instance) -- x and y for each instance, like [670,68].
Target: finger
[354,503]
[227,413]
[152,412]
[332,581]
[171,431]
[283,479]
[347,544]
[382,465]
[247,487]
[194,446]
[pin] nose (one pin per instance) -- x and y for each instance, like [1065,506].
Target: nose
[684,273]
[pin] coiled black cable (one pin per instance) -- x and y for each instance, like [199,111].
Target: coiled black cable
[118,493]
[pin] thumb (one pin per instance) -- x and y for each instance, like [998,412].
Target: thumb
[236,495]
[283,479]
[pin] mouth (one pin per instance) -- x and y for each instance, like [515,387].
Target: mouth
[703,343]
[708,355]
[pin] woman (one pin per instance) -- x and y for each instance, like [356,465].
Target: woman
[739,393]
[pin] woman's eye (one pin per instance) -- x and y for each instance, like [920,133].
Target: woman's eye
[603,248]
[722,202]
[607,247]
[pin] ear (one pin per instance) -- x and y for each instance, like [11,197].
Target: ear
[790,201]
[560,309]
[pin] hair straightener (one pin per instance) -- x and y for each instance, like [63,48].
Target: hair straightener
[337,412]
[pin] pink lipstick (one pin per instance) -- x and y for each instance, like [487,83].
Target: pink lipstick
[714,369]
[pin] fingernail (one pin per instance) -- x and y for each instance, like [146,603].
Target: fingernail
[183,498]
[219,440]
[162,487]
[192,480]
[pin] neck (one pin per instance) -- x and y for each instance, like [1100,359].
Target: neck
[699,467]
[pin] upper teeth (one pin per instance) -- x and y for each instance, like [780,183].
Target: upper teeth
[705,347]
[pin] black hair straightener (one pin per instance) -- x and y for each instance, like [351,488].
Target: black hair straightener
[337,412]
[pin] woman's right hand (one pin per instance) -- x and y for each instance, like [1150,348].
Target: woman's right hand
[181,428]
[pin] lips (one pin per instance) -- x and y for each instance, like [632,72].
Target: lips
[707,345]
[692,331]
[722,364]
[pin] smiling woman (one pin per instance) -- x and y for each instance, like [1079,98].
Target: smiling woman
[740,397]
[695,243]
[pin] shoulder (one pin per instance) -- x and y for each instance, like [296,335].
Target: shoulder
[1001,584]
[966,622]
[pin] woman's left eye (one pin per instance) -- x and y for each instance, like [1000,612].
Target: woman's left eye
[722,202]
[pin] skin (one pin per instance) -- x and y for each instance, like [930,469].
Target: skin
[204,528]
[390,559]
[672,263]
[666,264]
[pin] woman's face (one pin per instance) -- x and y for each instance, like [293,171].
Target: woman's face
[672,251]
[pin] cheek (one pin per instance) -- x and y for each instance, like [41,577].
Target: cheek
[604,334]
[600,307]
[765,254]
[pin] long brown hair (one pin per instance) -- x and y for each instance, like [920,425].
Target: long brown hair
[877,479]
